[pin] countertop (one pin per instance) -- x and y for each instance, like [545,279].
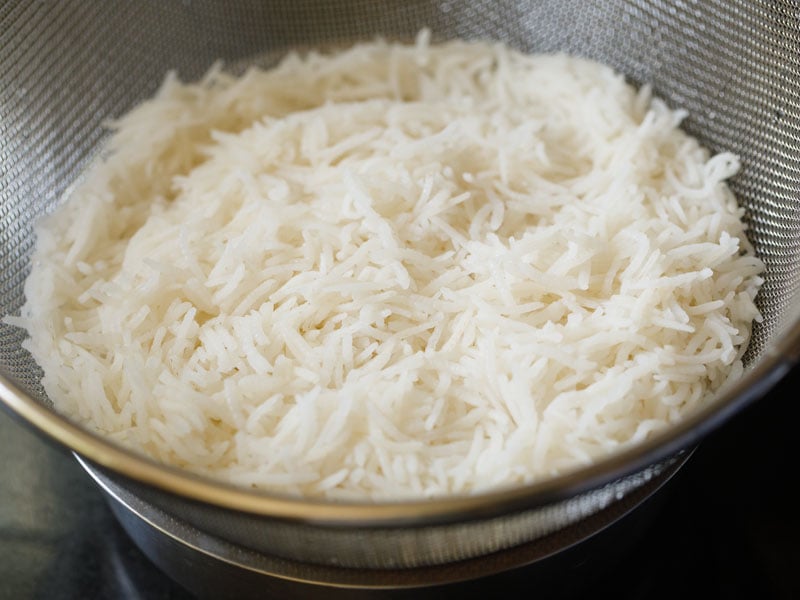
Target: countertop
[726,526]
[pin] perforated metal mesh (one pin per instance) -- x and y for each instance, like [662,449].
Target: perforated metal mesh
[67,66]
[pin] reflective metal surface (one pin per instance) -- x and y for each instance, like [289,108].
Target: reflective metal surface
[172,541]
[58,538]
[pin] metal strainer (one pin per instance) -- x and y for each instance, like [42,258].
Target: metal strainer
[67,66]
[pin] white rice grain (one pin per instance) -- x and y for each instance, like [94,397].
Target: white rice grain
[394,271]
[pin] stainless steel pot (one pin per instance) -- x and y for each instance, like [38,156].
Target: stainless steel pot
[67,66]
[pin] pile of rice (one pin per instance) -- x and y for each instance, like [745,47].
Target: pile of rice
[394,271]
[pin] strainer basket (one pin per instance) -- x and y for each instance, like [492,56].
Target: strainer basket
[66,67]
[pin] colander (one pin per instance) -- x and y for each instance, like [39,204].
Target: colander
[67,66]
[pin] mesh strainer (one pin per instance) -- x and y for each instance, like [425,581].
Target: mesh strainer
[67,66]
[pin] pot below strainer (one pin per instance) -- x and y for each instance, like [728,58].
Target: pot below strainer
[173,544]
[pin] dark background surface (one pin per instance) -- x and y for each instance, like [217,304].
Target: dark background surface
[726,526]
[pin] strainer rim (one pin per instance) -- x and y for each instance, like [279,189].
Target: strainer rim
[779,359]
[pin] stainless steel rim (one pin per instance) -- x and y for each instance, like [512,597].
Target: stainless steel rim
[141,469]
[148,525]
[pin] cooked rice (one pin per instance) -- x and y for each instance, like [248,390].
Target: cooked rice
[393,271]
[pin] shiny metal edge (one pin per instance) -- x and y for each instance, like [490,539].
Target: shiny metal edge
[754,384]
[137,513]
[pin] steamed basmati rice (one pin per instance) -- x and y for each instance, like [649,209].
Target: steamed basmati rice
[393,271]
